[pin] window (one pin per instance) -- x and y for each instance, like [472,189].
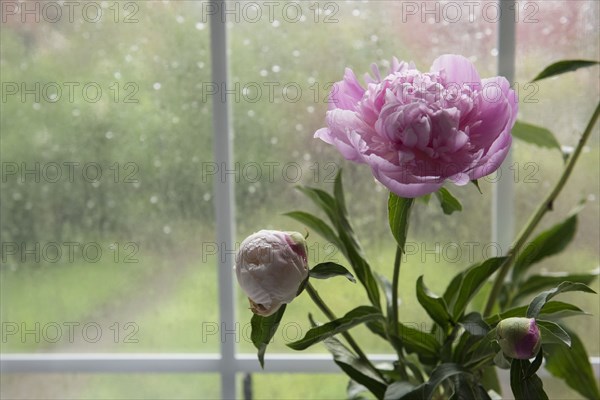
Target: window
[123,196]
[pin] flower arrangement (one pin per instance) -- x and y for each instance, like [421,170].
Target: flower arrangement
[417,131]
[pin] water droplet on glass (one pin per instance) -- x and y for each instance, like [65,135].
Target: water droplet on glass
[109,135]
[76,112]
[274,140]
[299,127]
[36,106]
[276,24]
[356,12]
[128,58]
[17,196]
[251,189]
[306,157]
[206,197]
[263,72]
[200,26]
[179,19]
[310,109]
[296,53]
[563,20]
[276,68]
[167,229]
[90,204]
[251,113]
[175,120]
[494,52]
[154,199]
[156,85]
[117,75]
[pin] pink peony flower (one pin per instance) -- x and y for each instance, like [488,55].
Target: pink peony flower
[416,130]
[519,338]
[270,267]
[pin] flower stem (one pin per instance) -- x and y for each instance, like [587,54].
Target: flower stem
[542,209]
[395,280]
[314,295]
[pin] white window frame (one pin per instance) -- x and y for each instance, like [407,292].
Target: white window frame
[228,363]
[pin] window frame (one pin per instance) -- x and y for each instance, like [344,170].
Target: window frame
[228,363]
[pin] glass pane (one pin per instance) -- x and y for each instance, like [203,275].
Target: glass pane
[293,386]
[104,134]
[282,70]
[564,30]
[110,386]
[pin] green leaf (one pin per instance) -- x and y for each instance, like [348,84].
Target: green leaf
[437,377]
[548,243]
[473,279]
[552,309]
[538,302]
[323,200]
[468,389]
[359,372]
[418,341]
[525,387]
[386,285]
[474,324]
[361,267]
[563,66]
[476,183]
[346,240]
[553,333]
[355,368]
[536,364]
[398,215]
[317,225]
[537,283]
[448,202]
[263,330]
[573,366]
[398,389]
[535,135]
[353,318]
[338,194]
[328,270]
[435,306]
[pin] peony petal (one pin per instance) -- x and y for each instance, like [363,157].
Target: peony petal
[347,93]
[458,69]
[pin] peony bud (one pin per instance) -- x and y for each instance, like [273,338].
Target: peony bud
[519,338]
[270,267]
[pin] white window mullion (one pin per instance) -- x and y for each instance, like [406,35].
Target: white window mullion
[503,220]
[224,201]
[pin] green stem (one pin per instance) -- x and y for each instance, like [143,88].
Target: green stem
[314,295]
[542,209]
[395,280]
